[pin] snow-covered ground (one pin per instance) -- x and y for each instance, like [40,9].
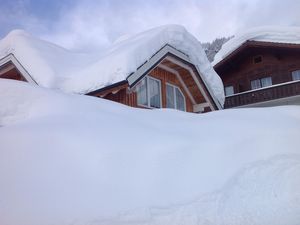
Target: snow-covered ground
[69,159]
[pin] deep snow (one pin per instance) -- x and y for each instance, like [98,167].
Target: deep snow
[276,34]
[55,67]
[69,159]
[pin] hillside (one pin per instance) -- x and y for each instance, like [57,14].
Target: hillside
[70,159]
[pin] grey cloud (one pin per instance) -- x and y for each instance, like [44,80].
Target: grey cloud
[93,25]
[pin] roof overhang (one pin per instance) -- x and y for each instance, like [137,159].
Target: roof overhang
[10,58]
[154,61]
[255,44]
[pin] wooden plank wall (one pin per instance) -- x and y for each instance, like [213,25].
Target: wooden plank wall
[167,77]
[9,71]
[129,98]
[278,64]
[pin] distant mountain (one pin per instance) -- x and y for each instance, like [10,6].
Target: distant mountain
[211,48]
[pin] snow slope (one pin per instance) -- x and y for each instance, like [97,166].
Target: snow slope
[265,34]
[69,159]
[54,67]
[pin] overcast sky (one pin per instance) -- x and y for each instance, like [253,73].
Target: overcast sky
[94,24]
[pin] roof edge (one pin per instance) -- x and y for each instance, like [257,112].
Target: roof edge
[253,43]
[107,87]
[11,58]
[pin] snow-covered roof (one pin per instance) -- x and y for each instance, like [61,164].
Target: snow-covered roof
[55,67]
[273,34]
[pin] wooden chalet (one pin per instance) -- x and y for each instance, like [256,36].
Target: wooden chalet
[167,80]
[260,73]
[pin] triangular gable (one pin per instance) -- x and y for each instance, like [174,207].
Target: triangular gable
[11,59]
[179,58]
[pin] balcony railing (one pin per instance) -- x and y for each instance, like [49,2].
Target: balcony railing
[263,94]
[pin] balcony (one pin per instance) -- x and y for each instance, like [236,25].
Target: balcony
[273,92]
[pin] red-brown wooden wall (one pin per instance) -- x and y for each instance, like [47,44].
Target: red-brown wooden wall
[129,97]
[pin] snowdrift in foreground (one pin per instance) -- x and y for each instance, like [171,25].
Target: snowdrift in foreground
[265,34]
[55,67]
[68,159]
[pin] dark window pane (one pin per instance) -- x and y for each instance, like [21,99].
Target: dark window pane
[142,97]
[154,92]
[179,100]
[170,97]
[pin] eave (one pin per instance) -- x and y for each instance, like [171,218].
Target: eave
[10,58]
[254,44]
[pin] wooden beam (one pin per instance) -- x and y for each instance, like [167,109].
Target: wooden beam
[195,79]
[164,67]
[6,69]
[112,90]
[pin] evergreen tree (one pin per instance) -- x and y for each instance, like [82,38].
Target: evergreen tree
[211,48]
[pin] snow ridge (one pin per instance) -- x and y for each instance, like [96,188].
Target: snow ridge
[257,185]
[71,159]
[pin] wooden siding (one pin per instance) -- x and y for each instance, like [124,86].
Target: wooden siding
[190,82]
[9,71]
[167,77]
[129,97]
[277,63]
[123,96]
[265,94]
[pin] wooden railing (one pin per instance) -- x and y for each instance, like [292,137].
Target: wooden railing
[264,94]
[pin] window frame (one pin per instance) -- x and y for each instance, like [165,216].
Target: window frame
[148,92]
[297,72]
[228,87]
[175,98]
[255,80]
[257,57]
[261,79]
[260,82]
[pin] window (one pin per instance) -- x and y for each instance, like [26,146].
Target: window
[260,83]
[154,92]
[257,59]
[229,90]
[142,94]
[255,84]
[296,75]
[170,97]
[266,81]
[175,98]
[149,92]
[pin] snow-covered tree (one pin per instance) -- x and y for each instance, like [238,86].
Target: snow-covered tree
[211,48]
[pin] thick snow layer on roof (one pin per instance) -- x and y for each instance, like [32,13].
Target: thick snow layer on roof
[70,159]
[265,34]
[54,67]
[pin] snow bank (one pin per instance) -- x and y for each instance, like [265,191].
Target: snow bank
[70,159]
[55,67]
[265,34]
